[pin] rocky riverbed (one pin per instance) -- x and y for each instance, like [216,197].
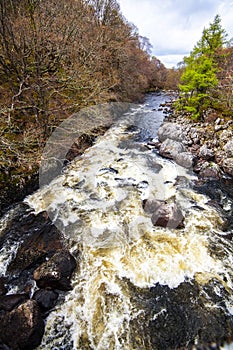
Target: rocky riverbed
[38,276]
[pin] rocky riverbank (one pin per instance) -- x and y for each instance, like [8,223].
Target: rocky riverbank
[40,272]
[15,186]
[36,279]
[205,147]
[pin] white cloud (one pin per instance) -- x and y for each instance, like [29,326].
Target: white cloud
[170,61]
[174,26]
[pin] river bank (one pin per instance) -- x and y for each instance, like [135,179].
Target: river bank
[206,147]
[14,188]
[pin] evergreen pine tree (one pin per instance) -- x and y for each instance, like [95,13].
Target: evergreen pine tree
[199,76]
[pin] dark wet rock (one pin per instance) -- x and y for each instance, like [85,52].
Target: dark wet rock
[46,299]
[3,289]
[153,165]
[187,317]
[168,215]
[153,144]
[219,191]
[84,141]
[107,170]
[183,182]
[131,129]
[170,148]
[79,185]
[129,181]
[185,159]
[170,131]
[56,272]
[11,301]
[79,146]
[198,165]
[15,191]
[23,327]
[143,184]
[187,323]
[45,241]
[164,214]
[20,222]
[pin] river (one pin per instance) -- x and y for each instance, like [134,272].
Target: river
[138,286]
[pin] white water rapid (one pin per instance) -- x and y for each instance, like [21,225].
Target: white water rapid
[98,205]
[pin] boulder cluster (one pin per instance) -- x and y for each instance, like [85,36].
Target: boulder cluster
[205,147]
[35,279]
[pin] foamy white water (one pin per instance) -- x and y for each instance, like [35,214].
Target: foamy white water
[97,204]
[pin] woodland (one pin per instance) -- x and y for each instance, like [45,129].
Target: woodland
[57,57]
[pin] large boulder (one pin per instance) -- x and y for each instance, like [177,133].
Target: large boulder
[23,327]
[45,241]
[171,149]
[56,272]
[11,301]
[185,159]
[164,214]
[46,299]
[170,131]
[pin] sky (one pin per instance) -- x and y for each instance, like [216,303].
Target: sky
[174,26]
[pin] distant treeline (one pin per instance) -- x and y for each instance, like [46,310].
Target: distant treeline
[59,56]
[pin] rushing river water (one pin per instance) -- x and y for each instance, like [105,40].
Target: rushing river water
[138,286]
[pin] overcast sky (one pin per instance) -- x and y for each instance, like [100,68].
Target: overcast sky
[175,26]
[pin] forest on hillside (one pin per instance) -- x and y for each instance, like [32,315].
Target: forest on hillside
[57,57]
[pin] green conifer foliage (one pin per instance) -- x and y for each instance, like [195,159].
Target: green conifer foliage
[200,74]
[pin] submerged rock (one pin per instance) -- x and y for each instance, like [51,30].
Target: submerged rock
[56,272]
[107,170]
[23,327]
